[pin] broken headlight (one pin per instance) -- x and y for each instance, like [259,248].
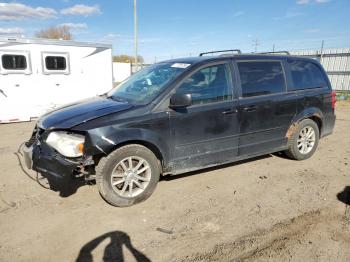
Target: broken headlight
[67,144]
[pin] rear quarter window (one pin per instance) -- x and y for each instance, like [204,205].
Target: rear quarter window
[306,75]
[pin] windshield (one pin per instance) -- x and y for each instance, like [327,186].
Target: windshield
[147,84]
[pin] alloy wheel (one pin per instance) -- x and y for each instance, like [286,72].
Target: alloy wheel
[131,176]
[306,140]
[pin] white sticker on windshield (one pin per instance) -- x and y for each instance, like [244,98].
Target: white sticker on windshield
[180,65]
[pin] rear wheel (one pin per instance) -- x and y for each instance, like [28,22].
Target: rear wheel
[303,143]
[128,175]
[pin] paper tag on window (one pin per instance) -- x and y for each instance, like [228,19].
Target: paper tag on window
[180,65]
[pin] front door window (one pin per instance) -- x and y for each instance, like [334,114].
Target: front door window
[208,85]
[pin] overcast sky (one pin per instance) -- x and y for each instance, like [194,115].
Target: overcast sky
[183,27]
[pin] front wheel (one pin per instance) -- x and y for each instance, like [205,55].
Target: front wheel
[303,143]
[128,175]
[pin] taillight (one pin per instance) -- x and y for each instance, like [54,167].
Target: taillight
[334,99]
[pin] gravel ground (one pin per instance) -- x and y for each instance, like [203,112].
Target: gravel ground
[267,208]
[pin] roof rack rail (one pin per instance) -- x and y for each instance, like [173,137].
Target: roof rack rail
[274,52]
[221,51]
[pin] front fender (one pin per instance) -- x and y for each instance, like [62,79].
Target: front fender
[105,140]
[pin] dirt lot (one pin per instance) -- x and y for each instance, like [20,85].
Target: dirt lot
[269,208]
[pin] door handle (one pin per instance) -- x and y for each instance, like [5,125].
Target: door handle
[230,111]
[2,92]
[249,108]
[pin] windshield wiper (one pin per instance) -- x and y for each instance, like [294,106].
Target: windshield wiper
[105,95]
[118,99]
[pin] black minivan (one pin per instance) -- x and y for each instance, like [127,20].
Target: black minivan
[182,115]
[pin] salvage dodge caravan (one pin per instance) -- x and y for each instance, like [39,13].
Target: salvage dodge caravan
[182,115]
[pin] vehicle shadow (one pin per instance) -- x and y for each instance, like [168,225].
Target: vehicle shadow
[192,173]
[113,251]
[344,196]
[69,188]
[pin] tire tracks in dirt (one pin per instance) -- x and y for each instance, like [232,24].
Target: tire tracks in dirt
[275,241]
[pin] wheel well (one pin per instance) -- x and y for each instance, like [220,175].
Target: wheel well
[149,145]
[295,125]
[318,121]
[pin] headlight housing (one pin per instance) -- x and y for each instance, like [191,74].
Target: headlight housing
[67,144]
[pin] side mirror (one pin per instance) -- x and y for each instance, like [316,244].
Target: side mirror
[180,101]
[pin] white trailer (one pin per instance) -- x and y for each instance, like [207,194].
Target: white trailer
[37,75]
[121,71]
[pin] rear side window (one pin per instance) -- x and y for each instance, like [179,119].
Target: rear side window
[261,78]
[208,85]
[55,63]
[14,62]
[306,75]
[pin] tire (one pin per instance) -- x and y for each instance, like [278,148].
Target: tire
[295,148]
[116,180]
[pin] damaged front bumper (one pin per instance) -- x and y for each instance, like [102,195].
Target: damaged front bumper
[57,169]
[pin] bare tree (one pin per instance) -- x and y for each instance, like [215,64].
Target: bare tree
[55,32]
[127,59]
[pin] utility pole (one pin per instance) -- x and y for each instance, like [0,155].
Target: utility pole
[322,46]
[255,45]
[135,35]
[273,48]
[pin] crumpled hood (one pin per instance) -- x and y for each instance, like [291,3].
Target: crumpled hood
[80,112]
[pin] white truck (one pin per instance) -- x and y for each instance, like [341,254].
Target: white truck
[38,75]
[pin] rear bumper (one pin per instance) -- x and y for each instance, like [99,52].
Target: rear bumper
[43,159]
[328,125]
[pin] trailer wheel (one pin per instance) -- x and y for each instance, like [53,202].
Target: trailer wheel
[128,175]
